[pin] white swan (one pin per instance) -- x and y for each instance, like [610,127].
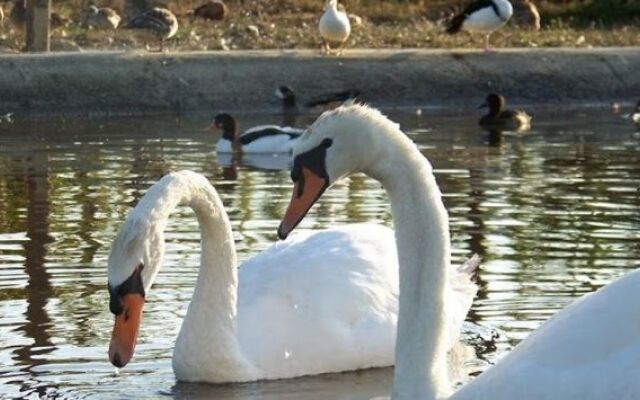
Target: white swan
[589,351]
[281,316]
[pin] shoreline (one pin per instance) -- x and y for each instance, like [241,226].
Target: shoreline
[141,83]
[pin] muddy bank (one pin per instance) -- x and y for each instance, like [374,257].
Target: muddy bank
[123,83]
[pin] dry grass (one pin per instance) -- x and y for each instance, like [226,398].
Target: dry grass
[390,23]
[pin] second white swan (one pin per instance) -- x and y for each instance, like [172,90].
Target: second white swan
[589,351]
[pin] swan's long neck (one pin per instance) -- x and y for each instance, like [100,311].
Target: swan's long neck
[422,234]
[207,338]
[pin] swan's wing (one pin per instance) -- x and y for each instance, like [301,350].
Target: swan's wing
[463,291]
[588,351]
[321,301]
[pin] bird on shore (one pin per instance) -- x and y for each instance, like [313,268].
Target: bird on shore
[526,15]
[102,18]
[259,139]
[334,27]
[499,119]
[211,10]
[482,16]
[155,23]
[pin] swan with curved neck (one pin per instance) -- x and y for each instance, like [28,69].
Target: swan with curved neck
[280,316]
[588,351]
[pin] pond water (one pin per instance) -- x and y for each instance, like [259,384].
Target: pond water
[554,214]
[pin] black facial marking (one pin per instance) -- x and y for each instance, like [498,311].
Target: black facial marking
[131,286]
[314,161]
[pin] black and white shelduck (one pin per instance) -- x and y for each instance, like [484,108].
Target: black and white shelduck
[482,16]
[324,101]
[259,139]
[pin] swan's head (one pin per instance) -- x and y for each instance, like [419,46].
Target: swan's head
[134,261]
[340,142]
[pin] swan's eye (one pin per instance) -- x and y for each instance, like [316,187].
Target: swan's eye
[132,285]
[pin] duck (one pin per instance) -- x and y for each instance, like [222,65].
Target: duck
[259,139]
[499,119]
[635,115]
[482,16]
[334,27]
[325,101]
[332,100]
[526,14]
[211,10]
[278,314]
[157,22]
[588,351]
[102,18]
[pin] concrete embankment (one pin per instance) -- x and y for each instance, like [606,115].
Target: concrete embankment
[145,83]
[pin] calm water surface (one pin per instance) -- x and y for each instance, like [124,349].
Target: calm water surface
[555,214]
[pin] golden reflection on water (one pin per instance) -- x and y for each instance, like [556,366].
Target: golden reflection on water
[555,214]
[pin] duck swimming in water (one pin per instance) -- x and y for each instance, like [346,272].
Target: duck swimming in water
[499,119]
[259,139]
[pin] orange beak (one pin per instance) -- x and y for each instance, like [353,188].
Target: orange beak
[302,199]
[125,330]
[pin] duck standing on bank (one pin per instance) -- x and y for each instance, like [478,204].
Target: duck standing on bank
[526,14]
[155,23]
[482,16]
[259,139]
[211,11]
[499,119]
[102,18]
[334,27]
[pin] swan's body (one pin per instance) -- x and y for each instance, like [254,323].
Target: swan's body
[282,315]
[334,27]
[588,351]
[259,139]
